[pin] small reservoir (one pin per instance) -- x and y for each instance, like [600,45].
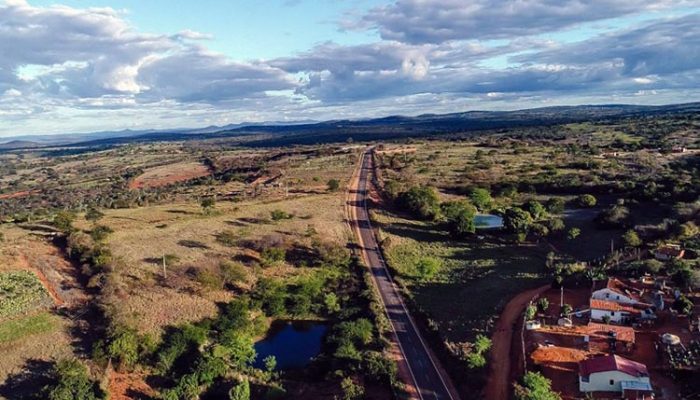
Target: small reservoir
[488,221]
[293,343]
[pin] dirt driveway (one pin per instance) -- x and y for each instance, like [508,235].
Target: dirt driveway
[498,383]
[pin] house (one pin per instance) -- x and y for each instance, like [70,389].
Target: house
[619,313]
[613,289]
[615,374]
[669,252]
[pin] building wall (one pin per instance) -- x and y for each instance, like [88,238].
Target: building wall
[600,381]
[611,295]
[615,316]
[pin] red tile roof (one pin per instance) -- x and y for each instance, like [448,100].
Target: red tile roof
[624,333]
[612,363]
[613,306]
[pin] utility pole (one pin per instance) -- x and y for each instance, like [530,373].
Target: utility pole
[165,272]
[561,302]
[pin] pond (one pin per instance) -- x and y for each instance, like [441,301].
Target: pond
[488,221]
[294,344]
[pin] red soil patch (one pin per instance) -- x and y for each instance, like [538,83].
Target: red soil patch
[23,263]
[16,195]
[123,386]
[169,174]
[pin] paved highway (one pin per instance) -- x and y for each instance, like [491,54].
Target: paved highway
[428,379]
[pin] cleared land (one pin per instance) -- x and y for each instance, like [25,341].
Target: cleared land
[169,174]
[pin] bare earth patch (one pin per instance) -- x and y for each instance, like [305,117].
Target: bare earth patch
[169,174]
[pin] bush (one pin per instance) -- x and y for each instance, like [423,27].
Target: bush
[517,220]
[535,208]
[543,304]
[240,391]
[587,201]
[631,239]
[278,215]
[209,280]
[427,267]
[555,205]
[535,387]
[481,198]
[351,390]
[617,216]
[459,216]
[227,238]
[272,256]
[233,272]
[63,221]
[100,233]
[70,381]
[573,233]
[333,185]
[422,202]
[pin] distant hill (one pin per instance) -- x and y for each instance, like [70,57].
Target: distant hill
[390,127]
[18,144]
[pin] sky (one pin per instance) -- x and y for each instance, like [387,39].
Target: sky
[71,66]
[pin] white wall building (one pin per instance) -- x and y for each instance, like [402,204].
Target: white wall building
[613,374]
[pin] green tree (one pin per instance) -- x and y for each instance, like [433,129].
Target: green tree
[566,309]
[631,239]
[240,391]
[517,220]
[421,201]
[481,198]
[330,301]
[573,233]
[351,390]
[63,221]
[333,185]
[476,360]
[556,225]
[427,267]
[543,304]
[535,387]
[587,200]
[459,216]
[530,312]
[270,363]
[535,208]
[482,344]
[70,382]
[555,205]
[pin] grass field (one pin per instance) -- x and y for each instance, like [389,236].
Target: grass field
[22,328]
[20,293]
[477,277]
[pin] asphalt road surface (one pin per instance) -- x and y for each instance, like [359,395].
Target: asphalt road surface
[427,378]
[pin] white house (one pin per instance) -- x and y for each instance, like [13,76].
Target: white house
[613,290]
[618,313]
[615,374]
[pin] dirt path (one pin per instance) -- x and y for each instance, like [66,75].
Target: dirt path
[498,383]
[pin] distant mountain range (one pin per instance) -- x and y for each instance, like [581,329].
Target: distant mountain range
[308,132]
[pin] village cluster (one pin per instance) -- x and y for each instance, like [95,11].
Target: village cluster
[619,338]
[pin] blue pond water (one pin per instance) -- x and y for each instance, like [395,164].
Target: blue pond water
[488,221]
[294,344]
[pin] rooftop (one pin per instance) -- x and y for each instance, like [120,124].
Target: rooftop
[612,363]
[613,306]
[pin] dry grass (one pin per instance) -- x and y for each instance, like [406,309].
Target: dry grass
[169,174]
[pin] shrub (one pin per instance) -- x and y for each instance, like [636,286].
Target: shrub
[70,381]
[543,304]
[556,225]
[631,239]
[573,233]
[351,390]
[422,202]
[459,216]
[535,387]
[530,312]
[555,205]
[208,204]
[481,198]
[535,208]
[209,279]
[279,215]
[63,221]
[227,238]
[427,267]
[240,391]
[233,272]
[272,256]
[517,220]
[333,185]
[587,200]
[100,233]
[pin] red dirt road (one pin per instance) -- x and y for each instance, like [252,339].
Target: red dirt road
[498,383]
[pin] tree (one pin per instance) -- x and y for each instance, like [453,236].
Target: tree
[240,391]
[333,185]
[631,239]
[421,201]
[70,382]
[683,305]
[573,233]
[208,204]
[556,225]
[535,208]
[63,221]
[530,312]
[566,309]
[270,363]
[587,201]
[459,216]
[427,267]
[543,304]
[517,220]
[330,301]
[540,230]
[481,198]
[555,205]
[351,390]
[535,387]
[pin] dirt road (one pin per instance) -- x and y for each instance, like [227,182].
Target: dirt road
[498,383]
